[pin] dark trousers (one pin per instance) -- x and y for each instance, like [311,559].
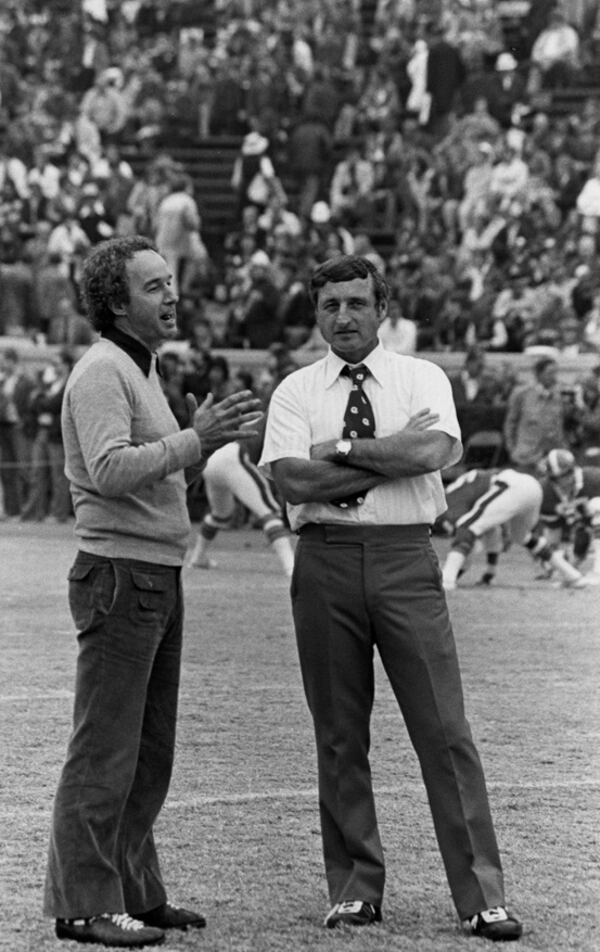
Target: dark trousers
[9,468]
[102,857]
[355,588]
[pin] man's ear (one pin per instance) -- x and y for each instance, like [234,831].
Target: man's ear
[118,309]
[382,310]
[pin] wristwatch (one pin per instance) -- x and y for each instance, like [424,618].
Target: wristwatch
[342,449]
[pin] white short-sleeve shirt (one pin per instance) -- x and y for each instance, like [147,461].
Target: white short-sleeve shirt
[308,408]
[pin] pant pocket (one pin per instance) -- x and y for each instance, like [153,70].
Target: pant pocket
[91,590]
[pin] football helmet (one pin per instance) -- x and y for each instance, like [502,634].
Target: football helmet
[559,463]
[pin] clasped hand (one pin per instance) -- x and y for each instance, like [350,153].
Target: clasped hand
[233,418]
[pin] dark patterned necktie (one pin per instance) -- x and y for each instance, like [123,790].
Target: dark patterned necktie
[359,422]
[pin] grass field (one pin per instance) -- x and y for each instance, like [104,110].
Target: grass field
[239,834]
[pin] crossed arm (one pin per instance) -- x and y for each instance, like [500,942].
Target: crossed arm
[413,451]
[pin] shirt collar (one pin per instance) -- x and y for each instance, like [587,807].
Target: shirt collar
[132,347]
[374,361]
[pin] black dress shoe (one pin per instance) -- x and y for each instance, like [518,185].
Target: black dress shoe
[494,924]
[169,916]
[352,912]
[115,930]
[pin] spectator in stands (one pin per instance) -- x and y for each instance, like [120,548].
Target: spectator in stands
[321,100]
[477,394]
[418,101]
[67,326]
[253,177]
[351,189]
[219,381]
[17,310]
[296,313]
[105,106]
[476,186]
[510,175]
[379,105]
[513,310]
[587,443]
[445,75]
[198,360]
[91,213]
[45,173]
[324,236]
[228,113]
[177,230]
[51,285]
[11,166]
[396,332]
[534,422]
[115,180]
[15,388]
[49,495]
[277,222]
[588,200]
[505,91]
[172,371]
[555,54]
[309,157]
[260,325]
[148,192]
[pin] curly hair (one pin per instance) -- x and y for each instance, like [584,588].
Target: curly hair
[346,268]
[104,278]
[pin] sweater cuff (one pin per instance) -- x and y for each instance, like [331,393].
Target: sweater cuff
[186,446]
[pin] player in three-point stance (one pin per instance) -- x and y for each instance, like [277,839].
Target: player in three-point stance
[499,507]
[570,512]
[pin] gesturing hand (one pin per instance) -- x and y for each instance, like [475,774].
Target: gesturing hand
[234,418]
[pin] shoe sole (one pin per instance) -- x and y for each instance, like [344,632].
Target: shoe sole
[65,933]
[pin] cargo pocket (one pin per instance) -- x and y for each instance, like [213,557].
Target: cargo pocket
[149,595]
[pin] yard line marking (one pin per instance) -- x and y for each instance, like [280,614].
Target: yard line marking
[308,793]
[311,792]
[51,696]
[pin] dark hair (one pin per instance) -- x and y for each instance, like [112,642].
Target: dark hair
[345,268]
[222,364]
[104,278]
[541,364]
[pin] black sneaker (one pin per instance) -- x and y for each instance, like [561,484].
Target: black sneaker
[169,916]
[115,930]
[352,912]
[494,924]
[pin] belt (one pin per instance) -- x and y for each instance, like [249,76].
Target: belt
[338,532]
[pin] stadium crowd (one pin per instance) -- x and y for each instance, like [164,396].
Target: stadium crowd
[410,131]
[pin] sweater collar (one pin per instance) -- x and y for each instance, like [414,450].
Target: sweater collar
[132,347]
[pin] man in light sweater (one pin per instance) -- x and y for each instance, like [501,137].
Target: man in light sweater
[128,463]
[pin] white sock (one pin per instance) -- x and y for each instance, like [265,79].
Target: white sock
[566,571]
[200,549]
[452,566]
[596,556]
[285,553]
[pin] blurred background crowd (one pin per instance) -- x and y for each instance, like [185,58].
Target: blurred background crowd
[456,142]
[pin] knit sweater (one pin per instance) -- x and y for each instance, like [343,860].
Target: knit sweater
[125,457]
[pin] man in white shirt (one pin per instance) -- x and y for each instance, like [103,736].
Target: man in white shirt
[366,575]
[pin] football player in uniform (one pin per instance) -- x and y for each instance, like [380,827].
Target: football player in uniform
[570,512]
[233,475]
[499,507]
